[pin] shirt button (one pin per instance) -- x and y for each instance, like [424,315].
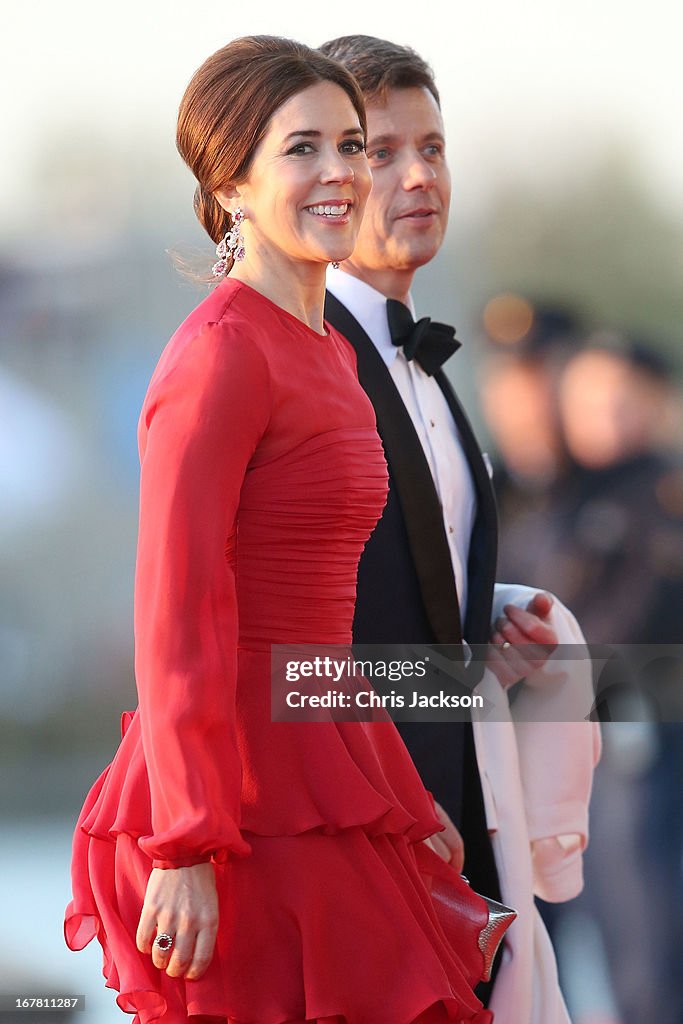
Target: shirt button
[450,528]
[432,423]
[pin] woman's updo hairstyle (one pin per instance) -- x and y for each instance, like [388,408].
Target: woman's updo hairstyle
[228,104]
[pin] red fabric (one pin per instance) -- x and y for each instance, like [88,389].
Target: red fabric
[262,477]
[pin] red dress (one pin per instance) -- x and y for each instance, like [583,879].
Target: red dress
[262,478]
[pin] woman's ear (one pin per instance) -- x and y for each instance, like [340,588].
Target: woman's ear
[228,197]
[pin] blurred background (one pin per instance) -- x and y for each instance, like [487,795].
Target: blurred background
[562,271]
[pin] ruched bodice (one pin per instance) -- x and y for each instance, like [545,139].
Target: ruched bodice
[303,520]
[262,477]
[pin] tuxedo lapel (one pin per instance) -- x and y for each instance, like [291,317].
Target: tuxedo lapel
[409,566]
[481,566]
[412,477]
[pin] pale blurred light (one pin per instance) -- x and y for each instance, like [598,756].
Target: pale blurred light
[508,318]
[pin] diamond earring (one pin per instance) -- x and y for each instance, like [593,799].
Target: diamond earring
[231,246]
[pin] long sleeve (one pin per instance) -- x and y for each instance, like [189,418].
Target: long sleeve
[205,412]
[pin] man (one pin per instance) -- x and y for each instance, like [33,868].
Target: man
[428,571]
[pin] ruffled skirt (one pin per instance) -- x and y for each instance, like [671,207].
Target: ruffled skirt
[312,927]
[329,917]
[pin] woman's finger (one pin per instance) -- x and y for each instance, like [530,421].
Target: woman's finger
[183,951]
[456,847]
[451,839]
[203,952]
[147,930]
[163,944]
[440,847]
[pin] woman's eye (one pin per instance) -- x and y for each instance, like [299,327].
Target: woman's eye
[352,146]
[301,148]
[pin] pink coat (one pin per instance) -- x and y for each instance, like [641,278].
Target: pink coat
[537,777]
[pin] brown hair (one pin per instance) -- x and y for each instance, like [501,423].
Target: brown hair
[378,65]
[226,108]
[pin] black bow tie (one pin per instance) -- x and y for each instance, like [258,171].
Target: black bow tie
[427,341]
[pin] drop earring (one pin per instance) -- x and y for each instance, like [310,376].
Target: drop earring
[231,246]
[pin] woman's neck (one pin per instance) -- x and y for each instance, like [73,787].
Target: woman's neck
[295,286]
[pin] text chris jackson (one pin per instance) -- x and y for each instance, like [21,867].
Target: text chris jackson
[369,699]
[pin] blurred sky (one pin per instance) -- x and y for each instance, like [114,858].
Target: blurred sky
[529,88]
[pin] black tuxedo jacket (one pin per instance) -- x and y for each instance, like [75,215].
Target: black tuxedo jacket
[406,586]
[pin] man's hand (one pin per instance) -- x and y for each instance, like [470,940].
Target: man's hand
[527,629]
[448,844]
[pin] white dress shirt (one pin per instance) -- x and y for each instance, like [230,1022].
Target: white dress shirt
[431,416]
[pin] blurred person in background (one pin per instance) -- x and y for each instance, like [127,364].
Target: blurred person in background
[623,506]
[427,574]
[592,501]
[622,543]
[527,346]
[233,868]
[590,493]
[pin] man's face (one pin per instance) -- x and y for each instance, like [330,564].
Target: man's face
[407,212]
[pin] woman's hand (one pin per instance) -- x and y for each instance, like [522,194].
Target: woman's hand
[183,903]
[448,844]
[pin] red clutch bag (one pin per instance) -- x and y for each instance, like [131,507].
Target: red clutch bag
[474,925]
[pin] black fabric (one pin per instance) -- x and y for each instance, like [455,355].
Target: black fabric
[480,865]
[411,484]
[427,341]
[483,554]
[406,587]
[412,487]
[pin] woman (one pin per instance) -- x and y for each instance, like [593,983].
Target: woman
[232,868]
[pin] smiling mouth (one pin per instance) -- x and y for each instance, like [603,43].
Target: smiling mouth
[331,210]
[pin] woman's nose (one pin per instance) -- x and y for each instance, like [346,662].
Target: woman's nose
[336,167]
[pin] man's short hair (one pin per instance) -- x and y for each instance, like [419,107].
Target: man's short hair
[378,65]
